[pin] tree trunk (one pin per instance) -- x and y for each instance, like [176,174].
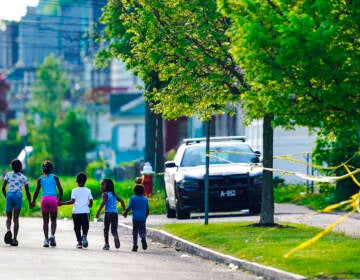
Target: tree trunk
[154,146]
[267,199]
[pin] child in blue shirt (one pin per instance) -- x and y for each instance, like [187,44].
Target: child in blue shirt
[139,206]
[109,199]
[48,183]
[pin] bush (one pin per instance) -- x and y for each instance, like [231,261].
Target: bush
[94,169]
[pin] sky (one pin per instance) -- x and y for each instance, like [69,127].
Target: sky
[14,9]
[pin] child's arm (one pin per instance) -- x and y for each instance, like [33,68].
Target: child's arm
[103,202]
[69,202]
[126,212]
[90,203]
[118,198]
[147,210]
[28,195]
[60,189]
[4,187]
[36,193]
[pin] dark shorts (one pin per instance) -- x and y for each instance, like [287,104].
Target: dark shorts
[13,201]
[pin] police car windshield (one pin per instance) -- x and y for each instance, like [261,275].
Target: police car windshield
[226,154]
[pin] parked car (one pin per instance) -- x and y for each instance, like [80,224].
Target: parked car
[235,177]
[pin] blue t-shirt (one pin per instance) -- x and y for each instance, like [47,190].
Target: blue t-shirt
[110,205]
[48,185]
[139,206]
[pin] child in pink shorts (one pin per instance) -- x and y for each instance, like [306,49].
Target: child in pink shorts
[48,183]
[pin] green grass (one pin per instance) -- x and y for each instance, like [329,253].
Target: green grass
[123,189]
[297,194]
[335,256]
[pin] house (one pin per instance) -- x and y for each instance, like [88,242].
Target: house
[127,111]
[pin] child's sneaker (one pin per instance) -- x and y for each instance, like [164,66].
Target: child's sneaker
[84,241]
[14,242]
[46,243]
[106,247]
[134,248]
[8,237]
[52,241]
[143,243]
[117,242]
[79,246]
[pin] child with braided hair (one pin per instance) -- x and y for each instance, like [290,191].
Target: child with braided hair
[48,183]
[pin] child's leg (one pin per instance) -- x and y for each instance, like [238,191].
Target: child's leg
[16,222]
[85,223]
[114,227]
[142,230]
[142,233]
[114,224]
[106,227]
[77,226]
[53,217]
[135,232]
[10,205]
[45,216]
[8,220]
[85,228]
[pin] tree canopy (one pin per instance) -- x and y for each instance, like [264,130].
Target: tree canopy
[180,43]
[301,58]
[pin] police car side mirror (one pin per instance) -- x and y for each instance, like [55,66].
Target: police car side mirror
[170,164]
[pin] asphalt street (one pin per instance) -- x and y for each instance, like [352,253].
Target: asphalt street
[31,261]
[161,261]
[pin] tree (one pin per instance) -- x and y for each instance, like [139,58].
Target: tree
[45,106]
[179,49]
[301,59]
[76,141]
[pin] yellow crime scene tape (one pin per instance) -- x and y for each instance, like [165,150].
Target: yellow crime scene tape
[353,202]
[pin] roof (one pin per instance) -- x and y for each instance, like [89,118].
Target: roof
[127,104]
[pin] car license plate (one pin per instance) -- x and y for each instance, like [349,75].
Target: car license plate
[228,193]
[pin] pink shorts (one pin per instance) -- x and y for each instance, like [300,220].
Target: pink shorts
[49,204]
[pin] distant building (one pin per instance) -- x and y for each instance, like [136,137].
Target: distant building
[63,31]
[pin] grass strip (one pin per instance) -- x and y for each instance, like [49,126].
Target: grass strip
[335,256]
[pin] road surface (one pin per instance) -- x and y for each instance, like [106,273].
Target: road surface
[31,261]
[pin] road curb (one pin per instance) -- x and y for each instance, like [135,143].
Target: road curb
[173,241]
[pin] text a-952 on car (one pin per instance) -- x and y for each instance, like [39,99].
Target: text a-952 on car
[235,177]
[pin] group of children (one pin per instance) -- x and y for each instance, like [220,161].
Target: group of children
[82,200]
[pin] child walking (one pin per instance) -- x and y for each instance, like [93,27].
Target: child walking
[82,199]
[109,198]
[15,180]
[48,183]
[139,206]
